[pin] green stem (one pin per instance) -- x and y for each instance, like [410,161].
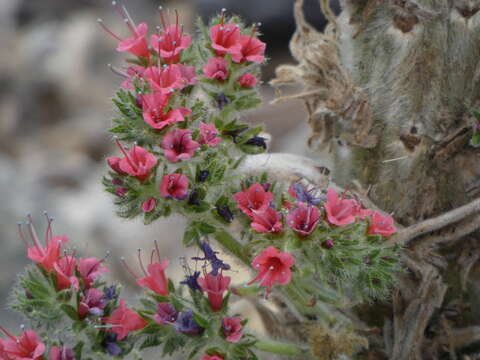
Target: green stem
[232,245]
[279,348]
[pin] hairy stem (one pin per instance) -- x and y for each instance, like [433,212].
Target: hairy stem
[280,348]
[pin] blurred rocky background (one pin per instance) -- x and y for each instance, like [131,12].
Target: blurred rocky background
[55,90]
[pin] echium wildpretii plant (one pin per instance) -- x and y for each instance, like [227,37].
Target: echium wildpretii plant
[181,141]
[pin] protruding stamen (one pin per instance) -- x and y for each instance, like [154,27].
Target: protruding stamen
[104,27]
[130,271]
[157,249]
[20,233]
[33,235]
[117,71]
[139,256]
[124,152]
[7,333]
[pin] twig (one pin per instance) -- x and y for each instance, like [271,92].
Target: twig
[406,235]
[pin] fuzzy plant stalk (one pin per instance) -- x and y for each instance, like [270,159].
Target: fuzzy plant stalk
[391,89]
[315,251]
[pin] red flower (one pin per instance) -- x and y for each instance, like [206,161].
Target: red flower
[267,221]
[175,186]
[137,162]
[90,269]
[216,68]
[215,286]
[212,357]
[47,256]
[136,45]
[171,43]
[132,71]
[273,268]
[61,353]
[232,329]
[303,219]
[26,347]
[165,80]
[123,320]
[178,145]
[189,74]
[247,80]
[155,278]
[381,224]
[149,205]
[255,198]
[251,49]
[340,212]
[65,273]
[226,39]
[208,134]
[154,111]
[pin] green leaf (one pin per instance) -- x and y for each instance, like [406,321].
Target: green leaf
[475,140]
[204,323]
[70,311]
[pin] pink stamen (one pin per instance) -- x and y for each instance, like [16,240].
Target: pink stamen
[157,249]
[130,271]
[117,71]
[33,235]
[7,333]
[139,252]
[20,233]
[124,152]
[104,27]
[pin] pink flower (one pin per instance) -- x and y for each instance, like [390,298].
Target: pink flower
[26,347]
[65,273]
[149,205]
[208,134]
[273,268]
[171,42]
[137,162]
[154,111]
[174,186]
[212,357]
[303,219]
[232,329]
[216,68]
[90,269]
[226,39]
[114,163]
[267,221]
[178,145]
[91,303]
[247,80]
[132,72]
[166,314]
[61,353]
[189,74]
[124,320]
[251,49]
[381,224]
[155,278]
[340,212]
[165,80]
[255,198]
[214,286]
[136,45]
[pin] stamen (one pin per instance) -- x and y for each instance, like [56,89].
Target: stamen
[7,333]
[48,232]
[157,249]
[125,154]
[130,271]
[117,71]
[20,233]
[100,21]
[139,252]
[33,235]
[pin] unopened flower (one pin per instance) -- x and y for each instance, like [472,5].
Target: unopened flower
[124,320]
[208,134]
[381,224]
[274,267]
[340,212]
[247,80]
[92,303]
[178,145]
[212,357]
[232,329]
[154,111]
[303,219]
[186,324]
[215,286]
[90,269]
[258,141]
[27,346]
[110,344]
[328,244]
[149,205]
[166,314]
[225,212]
[216,69]
[267,221]
[64,270]
[61,353]
[174,186]
[226,39]
[202,176]
[254,198]
[137,162]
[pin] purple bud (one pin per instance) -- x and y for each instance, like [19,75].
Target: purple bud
[166,314]
[186,324]
[117,181]
[328,244]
